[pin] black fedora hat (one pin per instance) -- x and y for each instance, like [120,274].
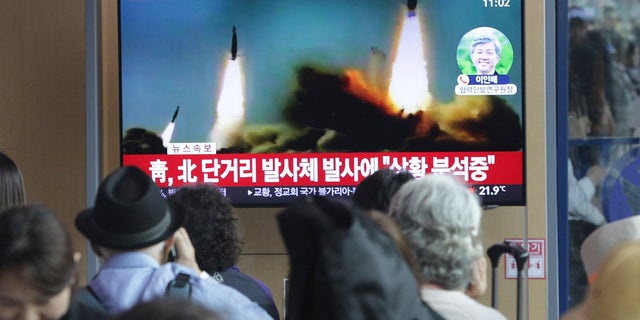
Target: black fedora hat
[129,212]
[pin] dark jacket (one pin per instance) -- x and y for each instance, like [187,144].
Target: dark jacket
[342,266]
[83,306]
[255,290]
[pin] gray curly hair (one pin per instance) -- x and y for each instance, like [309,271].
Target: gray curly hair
[441,220]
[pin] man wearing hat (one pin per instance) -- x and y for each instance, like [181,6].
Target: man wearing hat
[132,229]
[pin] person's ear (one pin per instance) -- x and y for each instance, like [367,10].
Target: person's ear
[478,284]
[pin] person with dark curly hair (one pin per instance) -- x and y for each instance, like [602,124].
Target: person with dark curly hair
[210,223]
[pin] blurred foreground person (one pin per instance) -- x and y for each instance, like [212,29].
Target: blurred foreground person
[168,308]
[132,229]
[440,218]
[615,293]
[600,243]
[12,191]
[38,267]
[344,267]
[374,194]
[210,223]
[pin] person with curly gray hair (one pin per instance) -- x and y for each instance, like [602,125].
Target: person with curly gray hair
[440,218]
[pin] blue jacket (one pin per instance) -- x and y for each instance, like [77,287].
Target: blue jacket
[131,277]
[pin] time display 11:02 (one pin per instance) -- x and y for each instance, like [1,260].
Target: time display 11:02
[497,3]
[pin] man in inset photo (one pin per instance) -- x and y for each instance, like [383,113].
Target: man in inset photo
[485,54]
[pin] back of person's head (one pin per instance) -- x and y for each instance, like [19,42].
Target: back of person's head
[12,191]
[376,190]
[335,252]
[580,15]
[168,308]
[599,244]
[129,213]
[615,293]
[34,242]
[37,256]
[210,223]
[438,199]
[440,218]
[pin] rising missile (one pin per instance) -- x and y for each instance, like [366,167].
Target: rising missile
[234,44]
[175,114]
[411,4]
[168,131]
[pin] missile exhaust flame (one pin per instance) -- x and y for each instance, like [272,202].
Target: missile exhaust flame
[409,84]
[230,112]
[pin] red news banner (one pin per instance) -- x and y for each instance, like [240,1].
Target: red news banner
[324,169]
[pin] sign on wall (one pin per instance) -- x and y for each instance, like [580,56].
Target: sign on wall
[537,262]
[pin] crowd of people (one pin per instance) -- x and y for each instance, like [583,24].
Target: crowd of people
[133,230]
[604,69]
[604,106]
[154,249]
[400,248]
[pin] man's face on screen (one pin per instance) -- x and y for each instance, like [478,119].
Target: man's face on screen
[485,58]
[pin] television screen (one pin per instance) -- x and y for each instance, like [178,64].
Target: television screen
[273,100]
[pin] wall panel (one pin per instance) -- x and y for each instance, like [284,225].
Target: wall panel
[42,110]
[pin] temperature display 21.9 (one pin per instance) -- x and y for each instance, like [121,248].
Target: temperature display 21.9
[498,193]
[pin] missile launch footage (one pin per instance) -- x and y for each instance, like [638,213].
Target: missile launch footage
[323,76]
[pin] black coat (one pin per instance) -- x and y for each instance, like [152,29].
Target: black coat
[343,266]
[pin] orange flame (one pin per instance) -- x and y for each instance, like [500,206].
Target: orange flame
[407,92]
[359,87]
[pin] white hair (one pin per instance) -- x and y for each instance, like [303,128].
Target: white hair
[440,217]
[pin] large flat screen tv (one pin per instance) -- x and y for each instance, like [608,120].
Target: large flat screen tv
[272,100]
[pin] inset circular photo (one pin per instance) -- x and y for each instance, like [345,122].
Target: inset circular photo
[484,51]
